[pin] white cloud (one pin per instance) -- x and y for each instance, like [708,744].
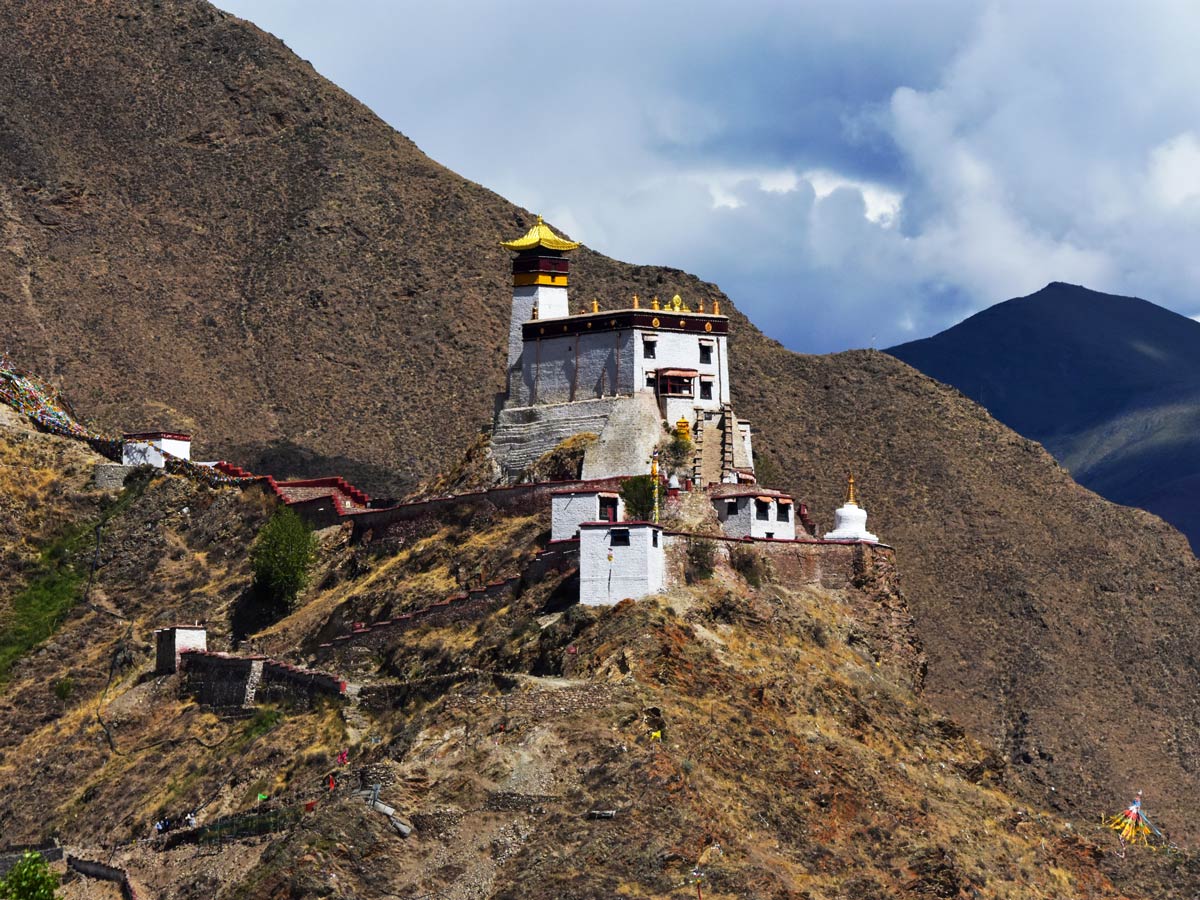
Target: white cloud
[841,170]
[1174,171]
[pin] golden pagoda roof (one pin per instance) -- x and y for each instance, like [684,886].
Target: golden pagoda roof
[540,235]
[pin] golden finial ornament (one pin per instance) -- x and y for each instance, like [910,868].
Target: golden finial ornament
[654,302]
[700,306]
[636,302]
[535,312]
[716,307]
[851,497]
[595,305]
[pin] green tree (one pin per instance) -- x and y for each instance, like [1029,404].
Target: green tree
[283,552]
[677,455]
[638,494]
[29,879]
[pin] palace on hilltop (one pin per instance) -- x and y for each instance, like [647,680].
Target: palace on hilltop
[638,378]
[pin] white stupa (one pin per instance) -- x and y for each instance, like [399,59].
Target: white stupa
[850,521]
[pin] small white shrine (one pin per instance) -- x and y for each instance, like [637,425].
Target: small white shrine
[170,642]
[850,520]
[571,508]
[151,448]
[755,512]
[616,561]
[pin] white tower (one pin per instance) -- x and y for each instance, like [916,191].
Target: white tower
[539,281]
[850,521]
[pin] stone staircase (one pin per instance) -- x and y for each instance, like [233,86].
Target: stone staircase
[713,441]
[728,435]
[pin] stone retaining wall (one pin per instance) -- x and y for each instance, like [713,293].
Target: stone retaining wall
[93,869]
[467,606]
[522,498]
[222,680]
[12,856]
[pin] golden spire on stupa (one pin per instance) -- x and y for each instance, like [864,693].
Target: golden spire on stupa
[851,497]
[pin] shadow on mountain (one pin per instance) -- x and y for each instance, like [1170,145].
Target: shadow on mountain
[1110,385]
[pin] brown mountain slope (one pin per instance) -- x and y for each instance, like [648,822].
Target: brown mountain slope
[201,232]
[769,735]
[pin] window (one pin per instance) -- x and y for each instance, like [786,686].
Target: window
[785,512]
[654,537]
[651,381]
[608,509]
[619,537]
[705,390]
[650,349]
[731,507]
[762,510]
[770,535]
[675,386]
[706,354]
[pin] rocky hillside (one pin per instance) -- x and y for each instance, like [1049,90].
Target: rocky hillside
[202,233]
[1111,386]
[756,732]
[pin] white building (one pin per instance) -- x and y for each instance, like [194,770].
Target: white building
[755,512]
[150,448]
[169,643]
[618,373]
[619,561]
[571,508]
[850,520]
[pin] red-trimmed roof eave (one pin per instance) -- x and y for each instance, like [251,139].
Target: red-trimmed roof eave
[636,523]
[748,491]
[706,324]
[165,435]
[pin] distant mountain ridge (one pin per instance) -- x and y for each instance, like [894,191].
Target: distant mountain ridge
[1109,384]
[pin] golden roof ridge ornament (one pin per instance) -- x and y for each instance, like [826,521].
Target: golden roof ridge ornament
[540,235]
[851,498]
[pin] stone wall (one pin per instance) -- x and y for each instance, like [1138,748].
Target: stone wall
[111,476]
[282,682]
[220,680]
[864,575]
[627,439]
[225,681]
[522,434]
[99,870]
[12,856]
[467,606]
[520,499]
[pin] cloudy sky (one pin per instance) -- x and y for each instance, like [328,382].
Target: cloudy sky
[853,174]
